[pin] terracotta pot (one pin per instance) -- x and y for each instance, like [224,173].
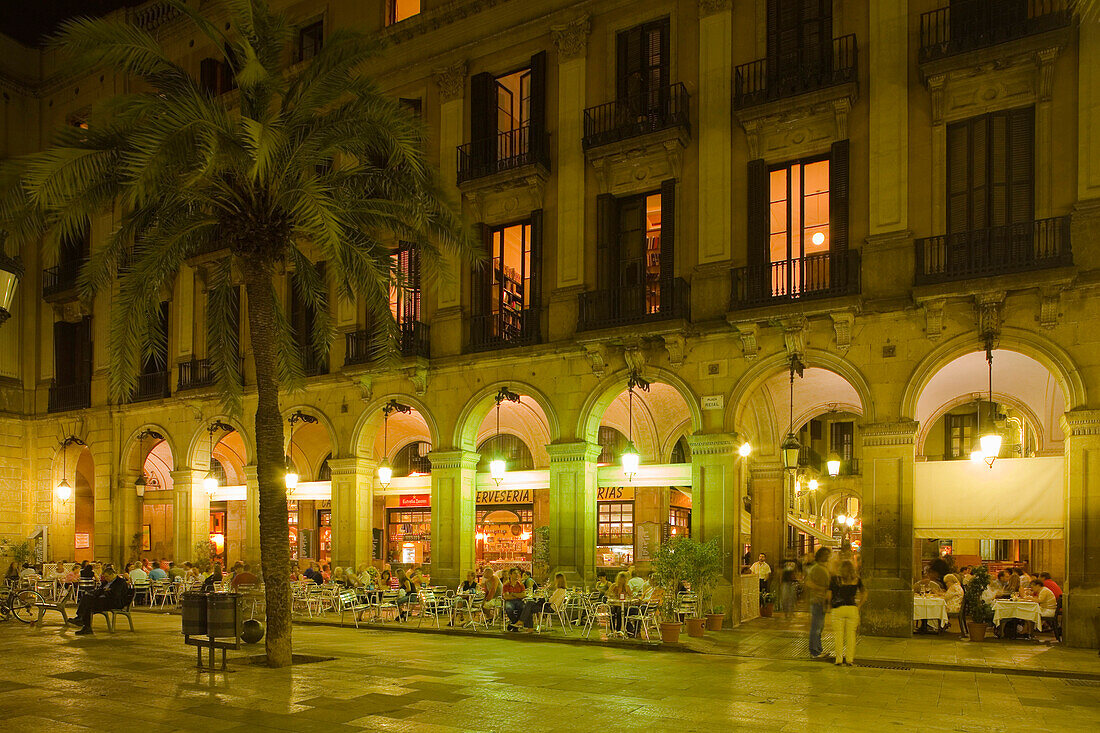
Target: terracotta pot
[695,626]
[670,632]
[714,621]
[766,610]
[977,631]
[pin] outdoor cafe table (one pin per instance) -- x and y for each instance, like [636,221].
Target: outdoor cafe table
[1004,609]
[931,608]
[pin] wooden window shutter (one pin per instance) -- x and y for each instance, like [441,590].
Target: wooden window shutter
[538,98]
[668,229]
[979,173]
[534,298]
[607,241]
[657,47]
[481,276]
[759,194]
[83,349]
[1020,174]
[483,116]
[958,177]
[629,61]
[838,197]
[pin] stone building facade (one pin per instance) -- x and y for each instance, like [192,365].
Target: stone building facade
[700,193]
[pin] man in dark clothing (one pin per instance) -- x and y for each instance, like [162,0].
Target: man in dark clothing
[110,594]
[87,570]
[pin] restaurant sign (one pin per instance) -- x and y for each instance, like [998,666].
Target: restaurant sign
[504,496]
[615,493]
[410,500]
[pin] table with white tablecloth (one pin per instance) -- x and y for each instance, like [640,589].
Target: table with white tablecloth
[1024,610]
[930,608]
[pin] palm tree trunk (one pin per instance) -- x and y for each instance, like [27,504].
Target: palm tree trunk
[270,463]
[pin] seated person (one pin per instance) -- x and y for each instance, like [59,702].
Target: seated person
[469,585]
[513,594]
[997,584]
[28,571]
[620,591]
[953,598]
[532,607]
[137,575]
[87,570]
[491,585]
[111,594]
[244,577]
[158,573]
[214,577]
[1049,583]
[602,584]
[56,571]
[339,577]
[927,585]
[176,574]
[1048,604]
[528,580]
[636,583]
[653,592]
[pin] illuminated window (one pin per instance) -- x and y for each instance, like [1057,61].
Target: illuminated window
[413,459]
[405,292]
[511,447]
[679,521]
[798,232]
[959,432]
[399,10]
[615,523]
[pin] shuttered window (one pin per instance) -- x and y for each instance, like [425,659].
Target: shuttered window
[991,170]
[508,112]
[800,34]
[302,318]
[642,70]
[310,40]
[959,434]
[508,288]
[635,240]
[72,347]
[405,293]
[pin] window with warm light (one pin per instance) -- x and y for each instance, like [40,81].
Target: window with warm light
[679,521]
[959,435]
[399,10]
[798,232]
[615,523]
[405,291]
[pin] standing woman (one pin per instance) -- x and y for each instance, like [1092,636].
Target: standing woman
[846,595]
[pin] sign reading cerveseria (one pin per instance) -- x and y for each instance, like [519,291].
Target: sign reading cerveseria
[615,493]
[504,496]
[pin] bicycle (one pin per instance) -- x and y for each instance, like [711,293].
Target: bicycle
[20,603]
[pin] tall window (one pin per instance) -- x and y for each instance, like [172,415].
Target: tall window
[310,40]
[991,170]
[642,71]
[405,300]
[960,431]
[399,10]
[615,523]
[799,216]
[842,439]
[506,297]
[800,34]
[635,245]
[73,352]
[508,117]
[679,521]
[302,318]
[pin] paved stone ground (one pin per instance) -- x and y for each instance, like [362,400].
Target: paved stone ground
[51,680]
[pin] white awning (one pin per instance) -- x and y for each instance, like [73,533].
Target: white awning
[810,530]
[1018,498]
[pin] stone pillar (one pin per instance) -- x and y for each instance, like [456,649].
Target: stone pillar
[715,129]
[129,508]
[454,474]
[888,138]
[573,509]
[1088,101]
[447,328]
[716,510]
[190,513]
[185,314]
[887,508]
[1082,541]
[252,515]
[571,40]
[769,510]
[352,510]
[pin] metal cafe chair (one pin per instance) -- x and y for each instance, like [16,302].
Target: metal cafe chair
[601,614]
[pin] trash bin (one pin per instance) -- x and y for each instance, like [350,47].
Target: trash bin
[223,615]
[193,611]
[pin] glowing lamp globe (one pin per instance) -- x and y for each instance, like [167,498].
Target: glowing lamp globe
[497,468]
[991,446]
[818,238]
[812,484]
[745,449]
[385,473]
[630,461]
[977,456]
[851,521]
[841,519]
[833,464]
[210,484]
[63,491]
[291,480]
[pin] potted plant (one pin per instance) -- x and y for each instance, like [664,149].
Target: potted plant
[716,618]
[767,604]
[703,569]
[670,565]
[980,612]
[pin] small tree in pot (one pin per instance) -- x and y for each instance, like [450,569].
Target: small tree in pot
[671,565]
[980,612]
[703,574]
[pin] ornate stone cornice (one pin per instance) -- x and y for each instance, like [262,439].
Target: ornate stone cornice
[902,432]
[710,7]
[574,452]
[766,471]
[452,81]
[1081,423]
[462,459]
[571,39]
[712,444]
[351,466]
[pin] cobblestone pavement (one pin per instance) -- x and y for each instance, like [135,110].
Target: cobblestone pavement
[51,680]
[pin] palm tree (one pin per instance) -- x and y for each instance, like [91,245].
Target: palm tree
[300,160]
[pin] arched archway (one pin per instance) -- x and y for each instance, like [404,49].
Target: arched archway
[614,387]
[73,516]
[534,417]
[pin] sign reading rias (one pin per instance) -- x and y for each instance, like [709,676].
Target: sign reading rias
[504,496]
[615,493]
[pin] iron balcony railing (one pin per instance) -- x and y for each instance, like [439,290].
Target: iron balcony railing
[754,83]
[152,386]
[61,278]
[195,374]
[507,151]
[1021,247]
[637,114]
[504,329]
[414,339]
[312,364]
[654,301]
[970,24]
[825,275]
[76,396]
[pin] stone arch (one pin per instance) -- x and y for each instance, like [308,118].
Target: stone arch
[132,459]
[469,419]
[308,462]
[926,426]
[322,419]
[1052,356]
[369,423]
[680,431]
[588,423]
[750,382]
[198,452]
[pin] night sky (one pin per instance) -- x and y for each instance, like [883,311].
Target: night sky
[28,21]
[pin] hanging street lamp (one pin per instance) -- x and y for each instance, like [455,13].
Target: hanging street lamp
[990,440]
[11,272]
[630,459]
[210,483]
[498,466]
[385,470]
[64,491]
[791,447]
[291,478]
[142,481]
[833,464]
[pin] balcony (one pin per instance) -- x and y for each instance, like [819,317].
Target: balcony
[826,275]
[195,374]
[414,340]
[152,386]
[753,84]
[61,279]
[1023,247]
[966,26]
[638,114]
[509,151]
[64,397]
[312,364]
[504,330]
[656,301]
